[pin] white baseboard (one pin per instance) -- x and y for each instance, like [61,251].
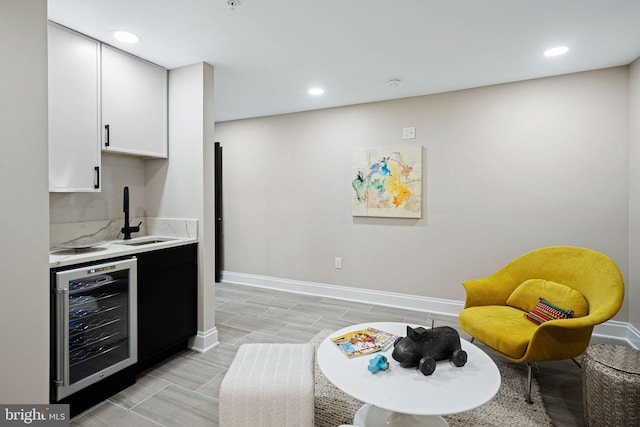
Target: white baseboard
[612,329]
[632,335]
[204,340]
[390,299]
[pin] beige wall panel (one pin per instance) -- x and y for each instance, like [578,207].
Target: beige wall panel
[506,169]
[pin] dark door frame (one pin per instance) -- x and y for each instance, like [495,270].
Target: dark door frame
[218,210]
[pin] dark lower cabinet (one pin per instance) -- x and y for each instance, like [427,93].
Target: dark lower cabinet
[167,302]
[167,314]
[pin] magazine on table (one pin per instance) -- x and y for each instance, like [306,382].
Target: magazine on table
[364,341]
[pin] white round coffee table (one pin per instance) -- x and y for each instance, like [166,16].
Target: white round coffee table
[403,396]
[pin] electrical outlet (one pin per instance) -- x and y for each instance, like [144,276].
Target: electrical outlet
[409,133]
[337,262]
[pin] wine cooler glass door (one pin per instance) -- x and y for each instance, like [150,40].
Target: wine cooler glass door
[96,323]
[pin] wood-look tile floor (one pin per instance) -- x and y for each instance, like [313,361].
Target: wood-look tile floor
[183,390]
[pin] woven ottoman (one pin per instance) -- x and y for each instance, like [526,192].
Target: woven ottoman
[269,385]
[611,386]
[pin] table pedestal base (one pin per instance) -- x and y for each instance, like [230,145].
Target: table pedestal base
[372,416]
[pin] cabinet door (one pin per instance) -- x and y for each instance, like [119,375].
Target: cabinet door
[74,111]
[134,105]
[167,298]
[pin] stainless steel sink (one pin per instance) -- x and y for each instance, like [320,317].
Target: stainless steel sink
[147,240]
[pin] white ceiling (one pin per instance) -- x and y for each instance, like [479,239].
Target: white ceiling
[267,53]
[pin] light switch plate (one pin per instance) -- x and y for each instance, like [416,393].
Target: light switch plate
[409,133]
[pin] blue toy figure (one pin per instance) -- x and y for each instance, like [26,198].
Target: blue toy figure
[378,363]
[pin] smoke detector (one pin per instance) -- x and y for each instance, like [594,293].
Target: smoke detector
[233,4]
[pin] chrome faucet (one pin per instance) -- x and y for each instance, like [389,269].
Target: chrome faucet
[127,230]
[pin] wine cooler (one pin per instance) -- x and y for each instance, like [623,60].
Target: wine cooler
[95,324]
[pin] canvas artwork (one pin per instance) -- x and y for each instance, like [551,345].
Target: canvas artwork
[387,182]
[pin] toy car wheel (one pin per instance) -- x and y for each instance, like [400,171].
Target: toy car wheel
[427,365]
[459,357]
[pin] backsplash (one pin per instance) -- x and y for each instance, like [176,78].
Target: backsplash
[106,230]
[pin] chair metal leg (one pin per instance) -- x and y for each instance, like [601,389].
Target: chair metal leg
[529,375]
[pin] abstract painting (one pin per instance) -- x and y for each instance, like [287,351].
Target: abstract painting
[387,182]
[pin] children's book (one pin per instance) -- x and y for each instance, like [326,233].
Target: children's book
[364,341]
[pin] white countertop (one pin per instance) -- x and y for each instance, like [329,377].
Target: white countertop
[111,249]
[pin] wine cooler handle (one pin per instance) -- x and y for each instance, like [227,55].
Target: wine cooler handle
[62,337]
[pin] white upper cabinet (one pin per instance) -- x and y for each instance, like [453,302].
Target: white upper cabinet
[134,105]
[74,111]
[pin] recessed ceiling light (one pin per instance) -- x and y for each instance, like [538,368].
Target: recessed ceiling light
[316,91]
[556,51]
[126,37]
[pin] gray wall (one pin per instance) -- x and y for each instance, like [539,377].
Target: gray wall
[506,169]
[24,221]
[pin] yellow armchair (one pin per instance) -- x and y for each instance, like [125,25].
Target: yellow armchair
[490,316]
